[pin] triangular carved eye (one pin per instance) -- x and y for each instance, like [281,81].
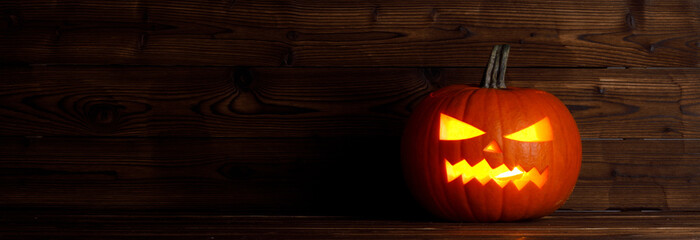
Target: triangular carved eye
[541,131]
[454,129]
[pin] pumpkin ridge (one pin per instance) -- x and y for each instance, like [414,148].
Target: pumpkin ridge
[464,192]
[444,197]
[447,101]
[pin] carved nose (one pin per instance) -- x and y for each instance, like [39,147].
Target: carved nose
[492,147]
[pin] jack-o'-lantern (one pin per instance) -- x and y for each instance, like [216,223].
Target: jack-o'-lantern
[491,153]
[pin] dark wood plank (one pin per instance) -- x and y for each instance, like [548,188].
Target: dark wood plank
[638,174]
[202,102]
[302,176]
[254,176]
[304,102]
[170,226]
[341,33]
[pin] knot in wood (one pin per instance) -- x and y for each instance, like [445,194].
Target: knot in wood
[292,35]
[433,75]
[104,114]
[242,78]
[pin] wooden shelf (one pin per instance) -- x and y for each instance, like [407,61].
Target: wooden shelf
[613,225]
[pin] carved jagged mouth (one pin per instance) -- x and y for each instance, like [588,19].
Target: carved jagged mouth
[501,175]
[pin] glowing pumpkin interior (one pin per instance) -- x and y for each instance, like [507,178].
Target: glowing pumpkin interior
[483,173]
[452,129]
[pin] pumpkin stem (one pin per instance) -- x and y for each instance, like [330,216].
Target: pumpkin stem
[495,74]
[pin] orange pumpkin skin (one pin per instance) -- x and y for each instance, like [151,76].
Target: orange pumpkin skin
[497,112]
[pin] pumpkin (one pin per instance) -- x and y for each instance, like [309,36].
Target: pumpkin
[491,153]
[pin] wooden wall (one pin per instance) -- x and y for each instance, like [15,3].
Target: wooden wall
[297,107]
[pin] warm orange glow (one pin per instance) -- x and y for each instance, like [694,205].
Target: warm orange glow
[512,174]
[541,131]
[453,129]
[493,147]
[501,175]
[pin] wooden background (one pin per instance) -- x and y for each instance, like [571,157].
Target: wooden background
[297,107]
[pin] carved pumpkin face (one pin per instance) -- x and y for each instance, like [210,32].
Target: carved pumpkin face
[452,129]
[479,154]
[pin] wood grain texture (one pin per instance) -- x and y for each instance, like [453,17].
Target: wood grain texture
[169,119]
[221,175]
[356,33]
[192,226]
[301,176]
[638,174]
[306,102]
